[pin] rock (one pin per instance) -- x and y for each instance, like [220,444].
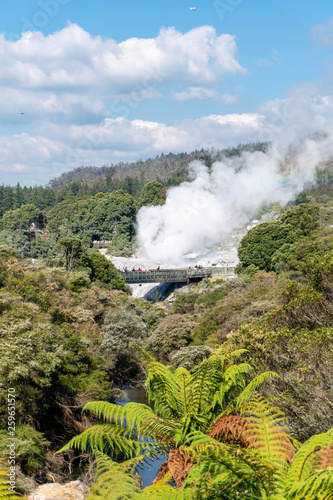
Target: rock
[75,490]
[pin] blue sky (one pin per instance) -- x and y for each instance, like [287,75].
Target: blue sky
[107,81]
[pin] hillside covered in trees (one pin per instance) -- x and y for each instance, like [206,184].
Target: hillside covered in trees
[91,203]
[239,370]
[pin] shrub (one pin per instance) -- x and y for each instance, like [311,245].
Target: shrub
[173,333]
[190,356]
[103,270]
[78,280]
[30,448]
[120,328]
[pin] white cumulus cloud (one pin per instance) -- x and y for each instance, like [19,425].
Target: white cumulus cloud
[71,67]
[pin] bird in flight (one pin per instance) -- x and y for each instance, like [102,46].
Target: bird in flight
[192,8]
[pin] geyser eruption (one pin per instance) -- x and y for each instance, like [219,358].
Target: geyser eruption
[224,198]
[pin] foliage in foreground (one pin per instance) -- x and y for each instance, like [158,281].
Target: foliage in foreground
[188,407]
[268,466]
[7,491]
[222,440]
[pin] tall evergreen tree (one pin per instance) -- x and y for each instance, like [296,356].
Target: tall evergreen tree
[2,200]
[9,198]
[19,196]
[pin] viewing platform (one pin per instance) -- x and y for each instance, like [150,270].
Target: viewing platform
[182,275]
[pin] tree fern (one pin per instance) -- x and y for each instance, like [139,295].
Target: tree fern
[187,407]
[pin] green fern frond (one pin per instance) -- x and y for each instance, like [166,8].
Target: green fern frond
[160,428]
[302,464]
[215,378]
[161,490]
[205,381]
[106,438]
[197,443]
[162,389]
[259,407]
[253,386]
[184,395]
[237,372]
[319,486]
[139,411]
[232,468]
[264,432]
[234,379]
[130,415]
[5,492]
[167,493]
[161,384]
[114,481]
[229,355]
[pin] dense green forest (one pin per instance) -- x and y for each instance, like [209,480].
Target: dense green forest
[239,371]
[91,203]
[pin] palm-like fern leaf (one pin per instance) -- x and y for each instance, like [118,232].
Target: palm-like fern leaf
[5,492]
[107,438]
[250,389]
[161,490]
[162,388]
[231,468]
[305,458]
[161,385]
[265,434]
[319,486]
[131,415]
[205,381]
[233,379]
[114,481]
[184,394]
[230,355]
[160,428]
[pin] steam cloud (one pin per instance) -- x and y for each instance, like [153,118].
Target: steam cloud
[198,213]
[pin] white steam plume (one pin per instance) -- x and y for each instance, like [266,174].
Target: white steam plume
[196,214]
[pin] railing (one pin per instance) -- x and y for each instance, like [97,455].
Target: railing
[102,244]
[176,275]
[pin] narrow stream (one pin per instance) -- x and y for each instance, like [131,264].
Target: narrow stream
[147,473]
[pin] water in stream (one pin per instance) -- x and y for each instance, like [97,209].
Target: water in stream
[149,472]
